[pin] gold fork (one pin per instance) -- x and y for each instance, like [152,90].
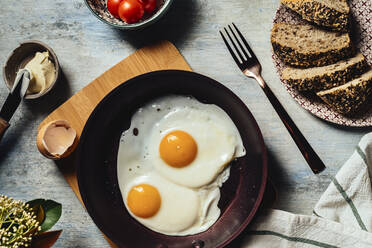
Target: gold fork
[251,67]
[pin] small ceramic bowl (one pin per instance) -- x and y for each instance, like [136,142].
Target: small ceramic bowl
[18,59]
[98,8]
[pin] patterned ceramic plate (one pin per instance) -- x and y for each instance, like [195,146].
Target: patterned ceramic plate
[361,11]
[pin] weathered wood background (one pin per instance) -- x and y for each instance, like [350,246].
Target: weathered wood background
[86,48]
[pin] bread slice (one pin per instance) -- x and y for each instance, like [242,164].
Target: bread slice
[325,77]
[332,14]
[308,46]
[347,98]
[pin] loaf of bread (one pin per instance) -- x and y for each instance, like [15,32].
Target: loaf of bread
[332,14]
[325,77]
[307,46]
[347,98]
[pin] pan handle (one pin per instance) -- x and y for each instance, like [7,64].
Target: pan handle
[3,127]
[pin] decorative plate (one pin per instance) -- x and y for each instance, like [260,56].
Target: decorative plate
[361,12]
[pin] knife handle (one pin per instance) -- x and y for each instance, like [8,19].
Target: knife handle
[3,127]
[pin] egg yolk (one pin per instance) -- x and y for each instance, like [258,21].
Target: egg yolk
[144,200]
[178,149]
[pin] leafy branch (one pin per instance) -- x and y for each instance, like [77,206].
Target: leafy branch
[25,224]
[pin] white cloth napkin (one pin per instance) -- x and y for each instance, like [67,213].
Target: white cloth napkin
[342,217]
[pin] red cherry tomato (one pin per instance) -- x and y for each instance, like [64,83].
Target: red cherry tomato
[149,5]
[131,11]
[113,7]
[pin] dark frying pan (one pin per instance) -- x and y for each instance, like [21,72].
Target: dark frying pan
[241,195]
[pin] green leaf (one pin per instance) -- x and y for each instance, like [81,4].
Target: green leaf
[52,212]
[46,239]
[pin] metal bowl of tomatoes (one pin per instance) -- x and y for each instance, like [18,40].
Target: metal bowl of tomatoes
[129,14]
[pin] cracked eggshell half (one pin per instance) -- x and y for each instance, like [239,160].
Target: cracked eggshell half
[56,139]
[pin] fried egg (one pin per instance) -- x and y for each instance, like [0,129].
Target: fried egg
[168,208]
[196,143]
[172,161]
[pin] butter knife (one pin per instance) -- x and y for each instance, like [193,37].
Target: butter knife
[14,98]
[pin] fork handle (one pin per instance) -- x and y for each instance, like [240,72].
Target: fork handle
[307,151]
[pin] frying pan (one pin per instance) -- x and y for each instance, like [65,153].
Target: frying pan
[241,194]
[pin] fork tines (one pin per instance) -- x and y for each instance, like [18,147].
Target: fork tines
[237,40]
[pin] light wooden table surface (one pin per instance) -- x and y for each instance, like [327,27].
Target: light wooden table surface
[86,48]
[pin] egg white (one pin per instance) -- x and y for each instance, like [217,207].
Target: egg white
[216,136]
[192,192]
[183,211]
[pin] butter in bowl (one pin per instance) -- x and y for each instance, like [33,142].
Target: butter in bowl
[42,63]
[31,71]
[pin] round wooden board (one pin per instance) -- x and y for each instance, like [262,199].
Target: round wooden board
[361,11]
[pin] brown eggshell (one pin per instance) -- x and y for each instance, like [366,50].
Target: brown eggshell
[49,137]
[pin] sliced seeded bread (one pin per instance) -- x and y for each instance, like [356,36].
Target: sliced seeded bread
[325,77]
[347,98]
[332,14]
[307,46]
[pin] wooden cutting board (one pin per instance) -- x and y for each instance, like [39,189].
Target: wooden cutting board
[77,109]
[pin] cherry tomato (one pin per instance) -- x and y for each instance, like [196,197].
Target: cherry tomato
[113,6]
[149,5]
[131,11]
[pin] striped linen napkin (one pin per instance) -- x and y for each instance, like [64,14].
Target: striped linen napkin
[342,217]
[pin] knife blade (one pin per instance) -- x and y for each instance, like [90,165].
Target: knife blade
[16,95]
